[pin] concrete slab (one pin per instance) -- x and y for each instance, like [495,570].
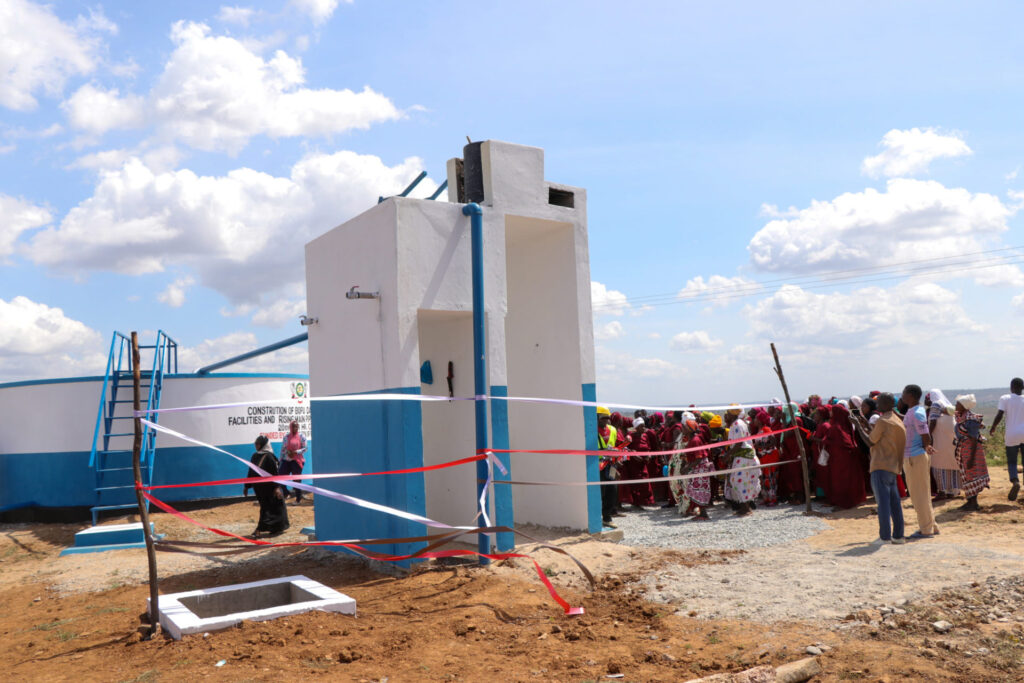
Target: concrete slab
[217,608]
[100,539]
[111,534]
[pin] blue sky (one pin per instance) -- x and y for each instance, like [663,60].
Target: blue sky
[162,164]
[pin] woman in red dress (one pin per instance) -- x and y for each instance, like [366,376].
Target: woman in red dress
[791,474]
[846,481]
[824,414]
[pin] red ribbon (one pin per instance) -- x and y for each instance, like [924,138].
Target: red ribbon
[297,477]
[610,453]
[566,607]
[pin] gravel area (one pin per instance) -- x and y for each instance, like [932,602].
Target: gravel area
[792,581]
[665,528]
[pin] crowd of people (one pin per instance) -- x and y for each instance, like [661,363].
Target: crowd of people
[917,445]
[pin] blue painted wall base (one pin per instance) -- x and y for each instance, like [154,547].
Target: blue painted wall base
[370,437]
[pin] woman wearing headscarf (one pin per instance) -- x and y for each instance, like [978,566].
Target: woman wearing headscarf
[653,463]
[942,426]
[821,477]
[273,514]
[970,453]
[717,432]
[767,452]
[698,489]
[622,493]
[635,467]
[791,475]
[845,479]
[667,438]
[742,488]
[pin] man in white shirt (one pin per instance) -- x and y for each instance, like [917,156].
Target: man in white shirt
[1011,406]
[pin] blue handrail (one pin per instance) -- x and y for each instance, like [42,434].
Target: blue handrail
[102,413]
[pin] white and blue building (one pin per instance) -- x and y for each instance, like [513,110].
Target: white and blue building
[413,258]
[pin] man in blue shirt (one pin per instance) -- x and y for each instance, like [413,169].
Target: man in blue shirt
[917,462]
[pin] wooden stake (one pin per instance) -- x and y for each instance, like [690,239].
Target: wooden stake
[799,440]
[154,592]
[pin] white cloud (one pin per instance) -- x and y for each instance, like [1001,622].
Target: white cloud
[279,313]
[174,294]
[37,340]
[39,52]
[910,221]
[289,359]
[95,110]
[17,216]
[908,152]
[606,301]
[1000,276]
[318,10]
[906,315]
[127,69]
[610,330]
[1018,303]
[717,289]
[654,335]
[694,341]
[616,367]
[241,234]
[157,159]
[216,93]
[236,15]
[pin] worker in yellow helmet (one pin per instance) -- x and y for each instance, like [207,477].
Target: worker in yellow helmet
[608,439]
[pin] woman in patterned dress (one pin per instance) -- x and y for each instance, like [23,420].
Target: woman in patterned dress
[941,425]
[698,489]
[742,488]
[969,451]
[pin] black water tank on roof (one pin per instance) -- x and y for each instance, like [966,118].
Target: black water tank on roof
[473,172]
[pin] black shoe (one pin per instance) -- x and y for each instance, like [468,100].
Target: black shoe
[1014,490]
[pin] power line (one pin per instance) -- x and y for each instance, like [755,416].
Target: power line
[840,272]
[943,264]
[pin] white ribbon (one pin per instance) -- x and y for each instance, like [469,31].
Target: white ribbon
[315,489]
[427,398]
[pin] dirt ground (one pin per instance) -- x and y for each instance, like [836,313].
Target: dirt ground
[78,617]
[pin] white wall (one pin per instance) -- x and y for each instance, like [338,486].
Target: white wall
[61,417]
[348,346]
[449,431]
[49,418]
[542,337]
[229,425]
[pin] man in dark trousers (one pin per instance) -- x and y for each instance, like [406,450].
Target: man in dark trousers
[608,438]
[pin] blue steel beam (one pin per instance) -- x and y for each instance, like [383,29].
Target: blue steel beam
[413,184]
[297,339]
[441,188]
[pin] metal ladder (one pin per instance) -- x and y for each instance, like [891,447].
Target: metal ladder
[113,436]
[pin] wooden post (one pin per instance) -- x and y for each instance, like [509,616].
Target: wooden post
[154,592]
[799,439]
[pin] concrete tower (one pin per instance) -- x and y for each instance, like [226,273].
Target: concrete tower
[415,254]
